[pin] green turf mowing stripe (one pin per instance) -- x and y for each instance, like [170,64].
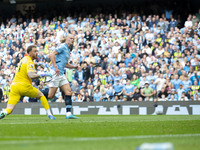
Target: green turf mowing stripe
[40,139]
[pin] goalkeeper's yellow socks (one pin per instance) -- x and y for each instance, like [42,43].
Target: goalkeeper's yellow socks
[6,111]
[45,104]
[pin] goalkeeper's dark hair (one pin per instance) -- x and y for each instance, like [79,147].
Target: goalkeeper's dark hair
[29,49]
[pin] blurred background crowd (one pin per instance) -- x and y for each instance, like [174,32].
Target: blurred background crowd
[151,54]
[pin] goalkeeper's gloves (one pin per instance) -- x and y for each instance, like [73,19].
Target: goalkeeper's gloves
[45,75]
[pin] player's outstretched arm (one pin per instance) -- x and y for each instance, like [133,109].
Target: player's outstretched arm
[68,65]
[34,75]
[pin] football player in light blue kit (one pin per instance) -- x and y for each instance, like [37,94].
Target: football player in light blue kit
[59,59]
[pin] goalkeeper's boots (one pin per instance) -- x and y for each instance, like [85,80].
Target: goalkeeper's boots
[71,117]
[2,115]
[51,117]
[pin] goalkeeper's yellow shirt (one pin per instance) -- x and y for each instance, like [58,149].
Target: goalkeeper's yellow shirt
[21,85]
[25,65]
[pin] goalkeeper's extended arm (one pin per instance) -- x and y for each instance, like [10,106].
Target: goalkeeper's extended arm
[34,75]
[47,74]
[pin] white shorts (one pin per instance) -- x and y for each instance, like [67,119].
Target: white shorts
[57,81]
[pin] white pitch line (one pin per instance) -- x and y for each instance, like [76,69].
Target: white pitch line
[22,137]
[65,139]
[132,137]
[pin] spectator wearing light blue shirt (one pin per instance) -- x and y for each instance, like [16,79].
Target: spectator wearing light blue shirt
[187,83]
[97,96]
[188,38]
[180,90]
[118,88]
[116,77]
[142,77]
[172,97]
[195,77]
[109,78]
[128,90]
[113,60]
[128,60]
[97,57]
[196,96]
[150,76]
[176,82]
[152,85]
[173,92]
[187,66]
[110,91]
[83,22]
[172,79]
[75,54]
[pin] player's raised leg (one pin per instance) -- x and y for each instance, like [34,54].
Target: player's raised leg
[45,104]
[68,101]
[51,92]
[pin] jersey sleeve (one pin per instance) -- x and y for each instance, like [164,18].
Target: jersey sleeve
[59,49]
[30,66]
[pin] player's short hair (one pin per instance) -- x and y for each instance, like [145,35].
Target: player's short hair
[29,49]
[62,39]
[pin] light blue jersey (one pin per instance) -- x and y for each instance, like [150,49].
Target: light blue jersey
[129,88]
[62,57]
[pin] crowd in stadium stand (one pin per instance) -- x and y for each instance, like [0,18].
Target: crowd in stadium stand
[122,58]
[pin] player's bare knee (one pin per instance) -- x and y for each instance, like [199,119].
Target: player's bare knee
[50,96]
[40,94]
[68,93]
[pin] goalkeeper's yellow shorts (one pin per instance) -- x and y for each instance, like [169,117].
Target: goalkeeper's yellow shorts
[21,89]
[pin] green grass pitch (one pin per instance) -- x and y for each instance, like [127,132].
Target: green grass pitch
[92,132]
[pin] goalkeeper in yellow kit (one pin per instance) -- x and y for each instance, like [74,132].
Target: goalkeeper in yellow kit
[21,84]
